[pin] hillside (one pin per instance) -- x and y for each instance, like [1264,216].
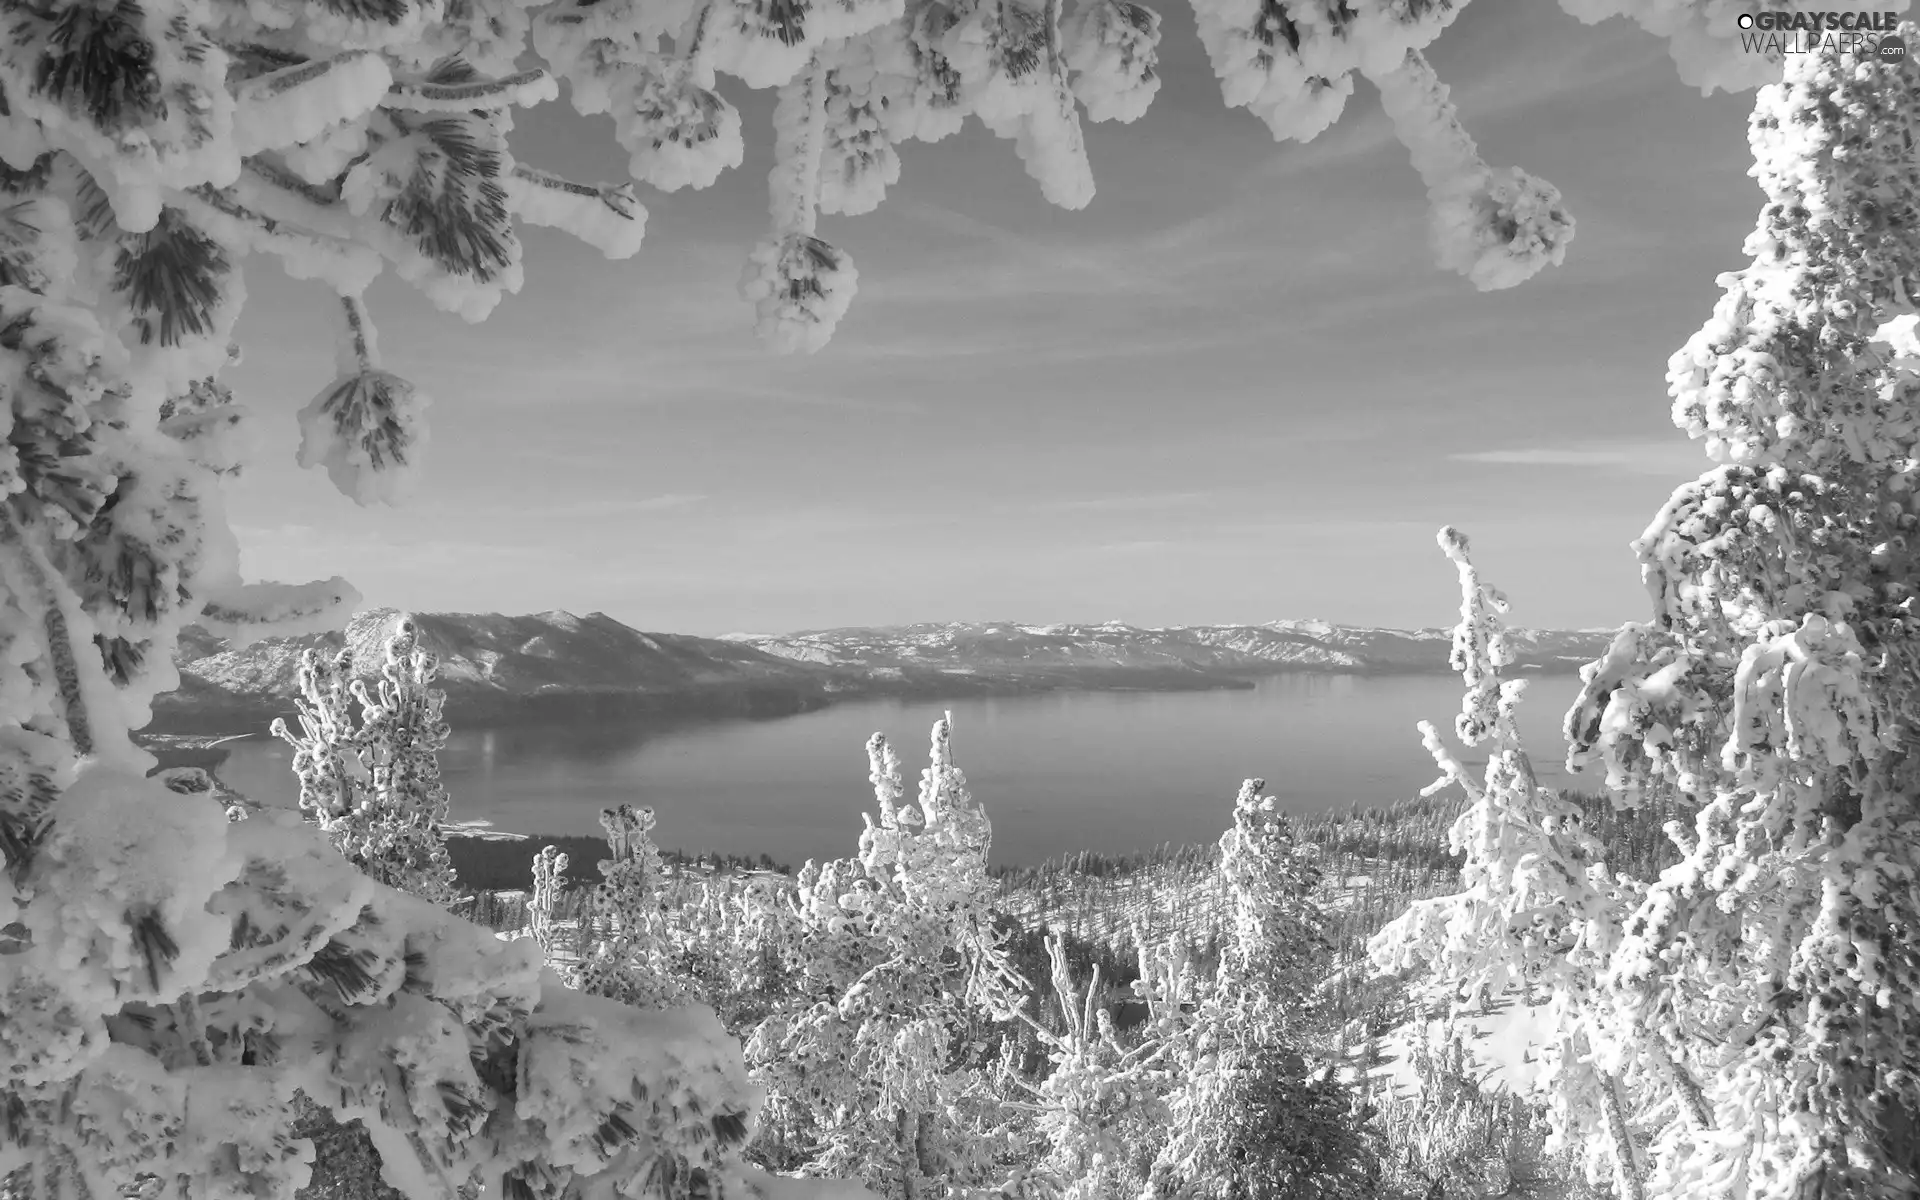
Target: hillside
[558,666]
[1012,649]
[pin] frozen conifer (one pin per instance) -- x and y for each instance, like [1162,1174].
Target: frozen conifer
[1770,978]
[1537,914]
[898,958]
[1741,1026]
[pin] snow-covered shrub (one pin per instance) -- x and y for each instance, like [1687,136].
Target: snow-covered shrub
[372,782]
[651,935]
[1459,1135]
[897,960]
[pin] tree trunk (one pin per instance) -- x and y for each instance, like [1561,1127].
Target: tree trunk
[1626,1162]
[903,1145]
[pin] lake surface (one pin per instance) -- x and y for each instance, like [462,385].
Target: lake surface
[1104,771]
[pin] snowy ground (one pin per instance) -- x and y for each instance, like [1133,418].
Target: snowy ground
[1503,1047]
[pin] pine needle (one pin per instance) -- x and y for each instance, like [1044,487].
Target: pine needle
[347,969]
[157,947]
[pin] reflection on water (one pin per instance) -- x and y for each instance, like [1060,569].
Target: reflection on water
[1103,771]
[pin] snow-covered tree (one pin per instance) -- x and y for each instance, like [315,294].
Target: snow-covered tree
[371,782]
[1250,1116]
[623,941]
[1772,974]
[1274,926]
[652,936]
[1537,911]
[1748,1016]
[543,900]
[898,959]
[726,939]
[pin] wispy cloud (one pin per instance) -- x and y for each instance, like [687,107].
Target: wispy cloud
[1147,546]
[1020,265]
[1669,458]
[665,502]
[795,526]
[1132,502]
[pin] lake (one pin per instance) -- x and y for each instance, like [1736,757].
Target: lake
[1105,771]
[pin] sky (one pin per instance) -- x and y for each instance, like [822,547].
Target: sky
[1234,388]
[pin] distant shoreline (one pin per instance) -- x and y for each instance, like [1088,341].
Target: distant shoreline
[204,721]
[184,737]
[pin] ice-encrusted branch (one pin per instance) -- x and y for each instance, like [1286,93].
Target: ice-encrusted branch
[245,613]
[608,217]
[799,284]
[368,427]
[297,103]
[1497,228]
[521,90]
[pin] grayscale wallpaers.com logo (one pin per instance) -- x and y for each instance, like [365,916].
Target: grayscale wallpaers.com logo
[1778,33]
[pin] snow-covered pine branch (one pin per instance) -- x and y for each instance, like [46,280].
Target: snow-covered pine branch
[159,1032]
[399,115]
[368,427]
[1113,49]
[245,613]
[1013,72]
[608,218]
[800,285]
[1497,228]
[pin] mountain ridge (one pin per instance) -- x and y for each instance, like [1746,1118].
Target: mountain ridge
[1243,649]
[556,665]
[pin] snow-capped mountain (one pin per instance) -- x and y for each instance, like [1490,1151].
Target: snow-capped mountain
[500,668]
[1010,648]
[555,665]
